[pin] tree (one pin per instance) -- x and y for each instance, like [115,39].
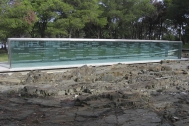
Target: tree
[125,17]
[143,21]
[16,19]
[45,11]
[96,19]
[70,19]
[178,13]
[79,14]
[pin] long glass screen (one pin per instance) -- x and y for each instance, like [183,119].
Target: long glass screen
[57,52]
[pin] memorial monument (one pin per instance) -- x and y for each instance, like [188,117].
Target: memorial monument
[46,52]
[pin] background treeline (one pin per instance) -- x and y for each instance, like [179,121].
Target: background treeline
[116,19]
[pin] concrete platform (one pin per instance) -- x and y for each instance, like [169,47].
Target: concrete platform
[4,67]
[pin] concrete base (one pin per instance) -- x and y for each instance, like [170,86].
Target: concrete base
[5,68]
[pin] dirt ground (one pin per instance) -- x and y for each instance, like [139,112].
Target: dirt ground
[149,94]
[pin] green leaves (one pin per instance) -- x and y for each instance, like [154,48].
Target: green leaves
[16,18]
[178,13]
[80,13]
[136,19]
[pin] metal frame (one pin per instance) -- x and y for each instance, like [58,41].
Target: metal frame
[78,39]
[9,53]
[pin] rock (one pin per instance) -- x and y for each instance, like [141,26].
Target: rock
[161,105]
[61,92]
[155,68]
[149,86]
[166,68]
[77,89]
[187,67]
[23,115]
[101,112]
[135,117]
[80,119]
[111,119]
[83,71]
[185,72]
[8,89]
[71,91]
[137,94]
[17,100]
[122,119]
[154,93]
[165,124]
[183,122]
[10,81]
[61,119]
[108,78]
[113,96]
[134,73]
[41,90]
[87,114]
[44,102]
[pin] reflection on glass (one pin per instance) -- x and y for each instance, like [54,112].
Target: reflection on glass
[53,52]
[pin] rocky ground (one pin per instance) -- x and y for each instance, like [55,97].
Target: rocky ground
[150,94]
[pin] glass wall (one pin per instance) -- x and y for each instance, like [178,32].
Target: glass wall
[33,52]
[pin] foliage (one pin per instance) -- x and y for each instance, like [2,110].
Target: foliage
[186,46]
[130,19]
[3,55]
[178,13]
[16,19]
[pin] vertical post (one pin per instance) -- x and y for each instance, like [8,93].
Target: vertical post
[167,50]
[9,53]
[180,50]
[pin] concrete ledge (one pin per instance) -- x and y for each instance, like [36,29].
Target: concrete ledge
[4,64]
[185,49]
[5,69]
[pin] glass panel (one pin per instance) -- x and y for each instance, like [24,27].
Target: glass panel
[174,50]
[59,52]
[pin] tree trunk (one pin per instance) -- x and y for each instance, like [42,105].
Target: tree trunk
[115,34]
[78,33]
[70,34]
[180,35]
[141,30]
[5,47]
[150,31]
[98,33]
[161,26]
[42,27]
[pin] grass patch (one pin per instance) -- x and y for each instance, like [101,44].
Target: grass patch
[3,55]
[185,45]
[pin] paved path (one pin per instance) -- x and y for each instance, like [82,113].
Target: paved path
[4,67]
